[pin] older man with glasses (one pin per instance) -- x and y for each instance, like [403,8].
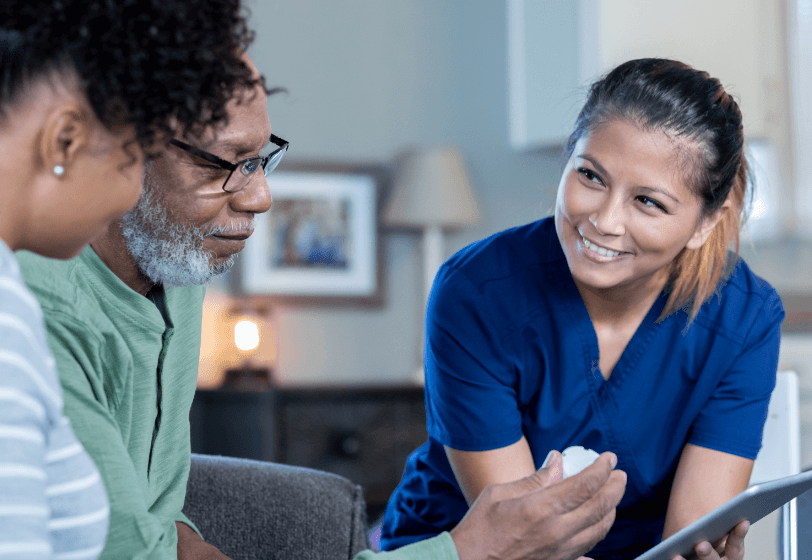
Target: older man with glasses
[124,319]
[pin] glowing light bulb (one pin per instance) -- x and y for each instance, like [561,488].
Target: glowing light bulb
[246,335]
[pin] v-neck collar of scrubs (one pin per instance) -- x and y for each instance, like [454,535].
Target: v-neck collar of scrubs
[627,362]
[570,298]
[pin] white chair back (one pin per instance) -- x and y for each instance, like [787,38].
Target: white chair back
[780,454]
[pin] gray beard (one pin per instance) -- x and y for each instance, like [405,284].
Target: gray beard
[165,251]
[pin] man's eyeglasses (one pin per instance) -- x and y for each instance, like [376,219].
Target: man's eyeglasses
[240,173]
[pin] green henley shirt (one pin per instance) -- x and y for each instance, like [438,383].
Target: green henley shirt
[129,377]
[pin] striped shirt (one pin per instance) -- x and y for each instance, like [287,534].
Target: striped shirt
[52,500]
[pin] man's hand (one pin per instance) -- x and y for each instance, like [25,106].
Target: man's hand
[542,517]
[192,547]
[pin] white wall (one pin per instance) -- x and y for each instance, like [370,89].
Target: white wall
[367,78]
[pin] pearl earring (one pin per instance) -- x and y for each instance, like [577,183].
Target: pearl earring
[59,170]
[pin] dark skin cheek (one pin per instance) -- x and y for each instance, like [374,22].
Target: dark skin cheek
[191,196]
[188,208]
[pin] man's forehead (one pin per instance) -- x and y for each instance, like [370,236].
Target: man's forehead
[248,142]
[250,137]
[247,128]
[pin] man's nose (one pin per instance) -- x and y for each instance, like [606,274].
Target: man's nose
[255,197]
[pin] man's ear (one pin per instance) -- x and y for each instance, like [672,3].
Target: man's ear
[66,134]
[705,228]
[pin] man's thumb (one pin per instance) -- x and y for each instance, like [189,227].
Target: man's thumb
[550,472]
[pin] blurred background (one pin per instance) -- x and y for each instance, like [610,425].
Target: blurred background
[497,84]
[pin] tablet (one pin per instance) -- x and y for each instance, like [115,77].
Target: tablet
[752,504]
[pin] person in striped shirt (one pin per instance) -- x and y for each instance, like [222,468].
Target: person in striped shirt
[89,89]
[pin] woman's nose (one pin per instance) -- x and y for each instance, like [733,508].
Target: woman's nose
[594,221]
[609,219]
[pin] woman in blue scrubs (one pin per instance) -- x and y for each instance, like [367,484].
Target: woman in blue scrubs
[622,323]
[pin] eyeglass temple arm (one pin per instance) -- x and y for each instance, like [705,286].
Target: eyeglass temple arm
[204,155]
[279,141]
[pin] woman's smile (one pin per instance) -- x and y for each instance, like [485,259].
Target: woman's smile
[600,253]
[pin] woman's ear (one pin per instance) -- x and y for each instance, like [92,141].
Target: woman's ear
[66,134]
[705,228]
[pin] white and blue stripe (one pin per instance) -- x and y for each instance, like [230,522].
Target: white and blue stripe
[52,500]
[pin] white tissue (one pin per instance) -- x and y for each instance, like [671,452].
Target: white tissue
[576,459]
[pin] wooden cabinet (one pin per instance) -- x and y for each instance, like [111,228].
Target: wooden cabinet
[557,48]
[362,433]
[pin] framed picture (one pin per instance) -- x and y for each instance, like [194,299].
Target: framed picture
[319,242]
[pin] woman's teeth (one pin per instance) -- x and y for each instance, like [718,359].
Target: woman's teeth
[598,249]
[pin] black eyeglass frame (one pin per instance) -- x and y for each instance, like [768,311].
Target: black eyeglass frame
[227,165]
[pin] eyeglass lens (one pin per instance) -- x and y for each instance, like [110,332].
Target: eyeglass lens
[241,176]
[274,160]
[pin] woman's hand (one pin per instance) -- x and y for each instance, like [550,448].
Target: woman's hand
[706,479]
[731,546]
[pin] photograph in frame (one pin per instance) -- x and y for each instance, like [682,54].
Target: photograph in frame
[319,241]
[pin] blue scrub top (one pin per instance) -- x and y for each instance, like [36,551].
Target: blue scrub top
[511,351]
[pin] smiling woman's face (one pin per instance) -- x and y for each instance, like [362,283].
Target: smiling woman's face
[624,210]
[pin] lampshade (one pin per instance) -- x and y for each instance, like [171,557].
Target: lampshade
[431,187]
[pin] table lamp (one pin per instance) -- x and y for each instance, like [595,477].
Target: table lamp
[431,192]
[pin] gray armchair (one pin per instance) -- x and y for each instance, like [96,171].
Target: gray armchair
[256,510]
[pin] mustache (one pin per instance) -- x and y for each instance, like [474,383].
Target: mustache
[237,228]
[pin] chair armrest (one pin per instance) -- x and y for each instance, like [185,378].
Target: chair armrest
[253,509]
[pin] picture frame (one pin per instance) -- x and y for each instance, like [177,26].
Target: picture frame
[319,244]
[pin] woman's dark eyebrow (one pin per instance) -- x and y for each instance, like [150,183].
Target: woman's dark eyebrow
[661,191]
[594,162]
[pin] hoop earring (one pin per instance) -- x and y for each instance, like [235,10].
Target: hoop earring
[59,170]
